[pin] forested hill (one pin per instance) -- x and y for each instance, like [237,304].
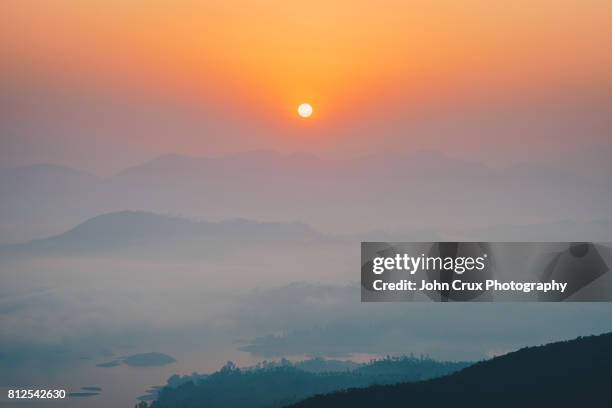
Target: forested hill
[565,374]
[277,385]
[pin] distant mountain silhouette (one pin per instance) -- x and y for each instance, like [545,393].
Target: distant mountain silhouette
[593,162]
[567,230]
[41,199]
[564,374]
[43,176]
[384,191]
[128,230]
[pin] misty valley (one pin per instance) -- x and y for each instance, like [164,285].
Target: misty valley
[115,305]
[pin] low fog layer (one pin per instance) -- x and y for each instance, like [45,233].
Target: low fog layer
[133,282]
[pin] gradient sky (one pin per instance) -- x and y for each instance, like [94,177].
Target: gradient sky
[101,85]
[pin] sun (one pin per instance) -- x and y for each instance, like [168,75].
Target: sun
[304,110]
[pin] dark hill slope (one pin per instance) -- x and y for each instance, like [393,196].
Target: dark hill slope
[564,374]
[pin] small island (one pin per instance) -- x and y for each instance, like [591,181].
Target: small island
[152,359]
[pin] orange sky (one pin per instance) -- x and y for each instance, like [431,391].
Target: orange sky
[351,59]
[323,51]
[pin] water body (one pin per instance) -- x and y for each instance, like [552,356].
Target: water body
[118,386]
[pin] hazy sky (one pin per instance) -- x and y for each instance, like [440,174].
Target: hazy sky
[101,85]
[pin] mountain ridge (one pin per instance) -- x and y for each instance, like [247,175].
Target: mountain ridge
[340,195]
[124,228]
[565,373]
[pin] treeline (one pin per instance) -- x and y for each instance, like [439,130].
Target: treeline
[277,384]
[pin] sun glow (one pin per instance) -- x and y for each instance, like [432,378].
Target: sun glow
[304,110]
